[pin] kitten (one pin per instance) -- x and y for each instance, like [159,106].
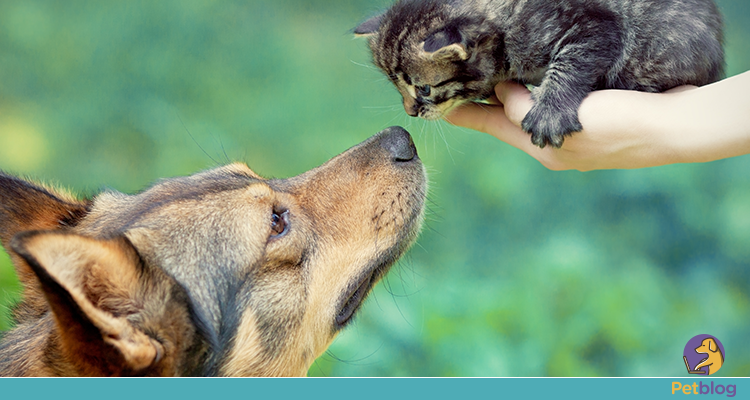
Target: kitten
[442,53]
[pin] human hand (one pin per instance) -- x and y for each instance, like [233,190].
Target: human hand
[626,129]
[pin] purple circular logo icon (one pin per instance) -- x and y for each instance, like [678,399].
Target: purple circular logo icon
[703,355]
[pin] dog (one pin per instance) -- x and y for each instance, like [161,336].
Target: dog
[222,273]
[714,360]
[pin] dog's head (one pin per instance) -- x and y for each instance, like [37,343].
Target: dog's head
[218,273]
[707,346]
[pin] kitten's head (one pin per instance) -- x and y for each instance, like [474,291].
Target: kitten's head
[436,54]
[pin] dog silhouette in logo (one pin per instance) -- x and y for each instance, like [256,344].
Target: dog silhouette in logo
[714,360]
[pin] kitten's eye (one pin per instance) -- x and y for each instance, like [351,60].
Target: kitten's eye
[279,223]
[423,91]
[406,78]
[459,79]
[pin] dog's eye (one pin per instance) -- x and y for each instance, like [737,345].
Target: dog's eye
[279,223]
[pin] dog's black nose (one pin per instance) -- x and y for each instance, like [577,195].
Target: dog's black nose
[398,143]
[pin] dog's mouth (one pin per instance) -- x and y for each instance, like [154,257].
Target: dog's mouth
[353,301]
[357,294]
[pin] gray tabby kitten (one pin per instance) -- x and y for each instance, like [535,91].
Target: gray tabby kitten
[442,53]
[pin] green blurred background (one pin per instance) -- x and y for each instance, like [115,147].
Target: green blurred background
[520,271]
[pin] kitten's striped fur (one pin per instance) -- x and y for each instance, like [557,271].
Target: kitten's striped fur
[441,53]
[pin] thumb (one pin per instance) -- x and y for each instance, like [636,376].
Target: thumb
[516,99]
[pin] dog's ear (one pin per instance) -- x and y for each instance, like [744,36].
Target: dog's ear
[96,290]
[25,206]
[712,345]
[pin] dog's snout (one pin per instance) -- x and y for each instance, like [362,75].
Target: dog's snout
[399,144]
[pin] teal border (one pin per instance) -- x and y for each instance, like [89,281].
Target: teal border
[357,388]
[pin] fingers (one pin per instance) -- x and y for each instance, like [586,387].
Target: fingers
[511,99]
[489,119]
[492,120]
[494,100]
[480,117]
[679,89]
[516,99]
[504,122]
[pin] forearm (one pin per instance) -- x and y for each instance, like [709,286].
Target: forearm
[711,122]
[627,129]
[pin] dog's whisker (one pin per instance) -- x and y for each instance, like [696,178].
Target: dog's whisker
[224,151]
[216,163]
[394,297]
[357,361]
[404,281]
[322,372]
[375,299]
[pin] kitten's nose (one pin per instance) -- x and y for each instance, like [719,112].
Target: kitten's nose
[411,107]
[399,144]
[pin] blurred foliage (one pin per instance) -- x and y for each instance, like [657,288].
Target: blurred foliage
[520,271]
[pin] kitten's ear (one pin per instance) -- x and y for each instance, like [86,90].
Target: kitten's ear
[445,44]
[369,27]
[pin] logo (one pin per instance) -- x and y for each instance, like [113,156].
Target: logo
[701,388]
[703,355]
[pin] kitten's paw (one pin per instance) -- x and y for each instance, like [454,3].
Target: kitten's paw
[549,125]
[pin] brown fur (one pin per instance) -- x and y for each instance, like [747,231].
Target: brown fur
[26,206]
[219,273]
